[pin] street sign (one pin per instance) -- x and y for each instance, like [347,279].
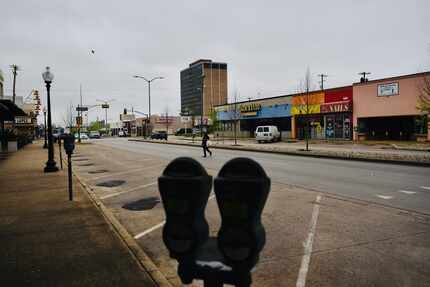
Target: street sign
[81,109]
[105,106]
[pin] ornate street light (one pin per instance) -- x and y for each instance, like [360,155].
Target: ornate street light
[51,165]
[45,145]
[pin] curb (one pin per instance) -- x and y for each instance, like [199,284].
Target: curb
[139,255]
[304,154]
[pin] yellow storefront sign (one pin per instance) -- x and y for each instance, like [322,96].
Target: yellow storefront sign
[303,110]
[314,99]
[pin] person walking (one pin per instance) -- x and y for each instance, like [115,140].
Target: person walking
[205,144]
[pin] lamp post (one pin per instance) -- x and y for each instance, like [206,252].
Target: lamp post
[50,164]
[45,145]
[149,93]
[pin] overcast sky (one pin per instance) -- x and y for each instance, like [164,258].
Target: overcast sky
[267,45]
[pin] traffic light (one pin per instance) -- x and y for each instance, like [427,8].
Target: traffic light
[241,190]
[184,187]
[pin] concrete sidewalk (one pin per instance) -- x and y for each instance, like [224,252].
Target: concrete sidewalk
[347,151]
[47,240]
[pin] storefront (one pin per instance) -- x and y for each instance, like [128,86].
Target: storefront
[327,113]
[386,109]
[248,115]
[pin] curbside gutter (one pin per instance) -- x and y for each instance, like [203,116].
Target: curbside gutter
[341,155]
[139,255]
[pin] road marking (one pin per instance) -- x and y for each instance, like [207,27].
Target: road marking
[128,190]
[425,187]
[407,191]
[159,225]
[155,227]
[304,267]
[384,196]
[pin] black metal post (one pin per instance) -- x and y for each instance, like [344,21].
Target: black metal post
[69,171]
[61,155]
[51,165]
[45,145]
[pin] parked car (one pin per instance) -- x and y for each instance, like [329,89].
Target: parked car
[183,131]
[94,135]
[84,136]
[161,135]
[267,133]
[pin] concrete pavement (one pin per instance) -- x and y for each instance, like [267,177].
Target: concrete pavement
[46,240]
[315,234]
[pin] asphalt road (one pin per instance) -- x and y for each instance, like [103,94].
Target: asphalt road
[400,186]
[317,232]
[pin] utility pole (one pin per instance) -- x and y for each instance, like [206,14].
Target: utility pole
[80,114]
[363,78]
[15,68]
[322,76]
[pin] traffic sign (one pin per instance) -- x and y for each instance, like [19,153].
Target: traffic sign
[81,109]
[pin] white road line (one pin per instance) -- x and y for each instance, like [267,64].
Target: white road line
[159,225]
[304,267]
[425,187]
[407,191]
[155,227]
[128,190]
[384,196]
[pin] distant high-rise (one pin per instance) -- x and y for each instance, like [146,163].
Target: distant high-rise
[212,77]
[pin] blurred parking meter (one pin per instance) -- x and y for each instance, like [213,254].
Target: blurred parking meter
[241,190]
[61,154]
[69,146]
[184,187]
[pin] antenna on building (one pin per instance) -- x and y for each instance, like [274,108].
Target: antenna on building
[322,76]
[363,79]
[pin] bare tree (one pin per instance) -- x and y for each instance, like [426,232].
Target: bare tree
[235,115]
[304,91]
[68,117]
[424,97]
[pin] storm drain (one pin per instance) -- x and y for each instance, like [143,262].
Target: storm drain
[98,171]
[86,164]
[111,183]
[142,204]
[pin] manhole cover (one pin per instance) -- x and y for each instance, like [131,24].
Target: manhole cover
[86,164]
[143,204]
[111,183]
[98,171]
[80,159]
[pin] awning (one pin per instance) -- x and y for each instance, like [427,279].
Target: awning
[8,111]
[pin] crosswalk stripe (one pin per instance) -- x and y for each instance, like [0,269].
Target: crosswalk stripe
[425,187]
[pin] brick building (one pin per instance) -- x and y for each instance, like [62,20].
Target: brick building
[212,76]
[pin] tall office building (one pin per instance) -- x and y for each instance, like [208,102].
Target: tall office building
[212,77]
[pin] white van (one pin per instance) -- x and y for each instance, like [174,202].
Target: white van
[267,133]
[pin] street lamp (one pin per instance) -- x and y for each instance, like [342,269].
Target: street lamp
[149,92]
[45,145]
[50,164]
